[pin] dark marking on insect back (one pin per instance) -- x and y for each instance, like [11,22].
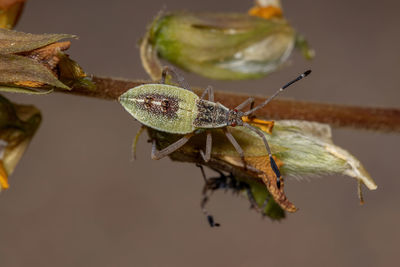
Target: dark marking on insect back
[159,104]
[165,105]
[148,101]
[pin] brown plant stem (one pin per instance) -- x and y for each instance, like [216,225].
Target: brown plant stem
[379,119]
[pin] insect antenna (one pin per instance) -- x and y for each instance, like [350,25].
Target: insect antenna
[277,93]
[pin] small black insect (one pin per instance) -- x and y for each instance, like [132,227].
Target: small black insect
[227,183]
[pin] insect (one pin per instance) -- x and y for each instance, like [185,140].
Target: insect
[226,182]
[178,110]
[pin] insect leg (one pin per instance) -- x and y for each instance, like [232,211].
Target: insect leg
[239,150]
[169,149]
[210,218]
[210,91]
[264,205]
[251,116]
[359,192]
[250,196]
[245,103]
[175,75]
[136,140]
[206,157]
[235,145]
[202,172]
[251,105]
[271,159]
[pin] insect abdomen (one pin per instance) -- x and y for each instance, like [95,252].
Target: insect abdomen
[162,107]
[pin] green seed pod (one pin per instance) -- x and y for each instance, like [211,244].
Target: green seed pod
[219,46]
[307,150]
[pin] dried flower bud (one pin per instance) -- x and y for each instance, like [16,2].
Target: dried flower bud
[219,46]
[35,63]
[267,9]
[307,149]
[18,124]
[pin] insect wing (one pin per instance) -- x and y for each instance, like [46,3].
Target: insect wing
[162,107]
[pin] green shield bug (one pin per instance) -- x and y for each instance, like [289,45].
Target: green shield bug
[176,109]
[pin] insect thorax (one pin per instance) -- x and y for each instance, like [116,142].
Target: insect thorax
[210,115]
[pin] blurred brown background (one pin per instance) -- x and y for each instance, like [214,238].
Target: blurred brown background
[77,200]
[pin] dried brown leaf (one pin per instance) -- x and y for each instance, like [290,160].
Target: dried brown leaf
[12,42]
[48,55]
[18,70]
[268,177]
[33,63]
